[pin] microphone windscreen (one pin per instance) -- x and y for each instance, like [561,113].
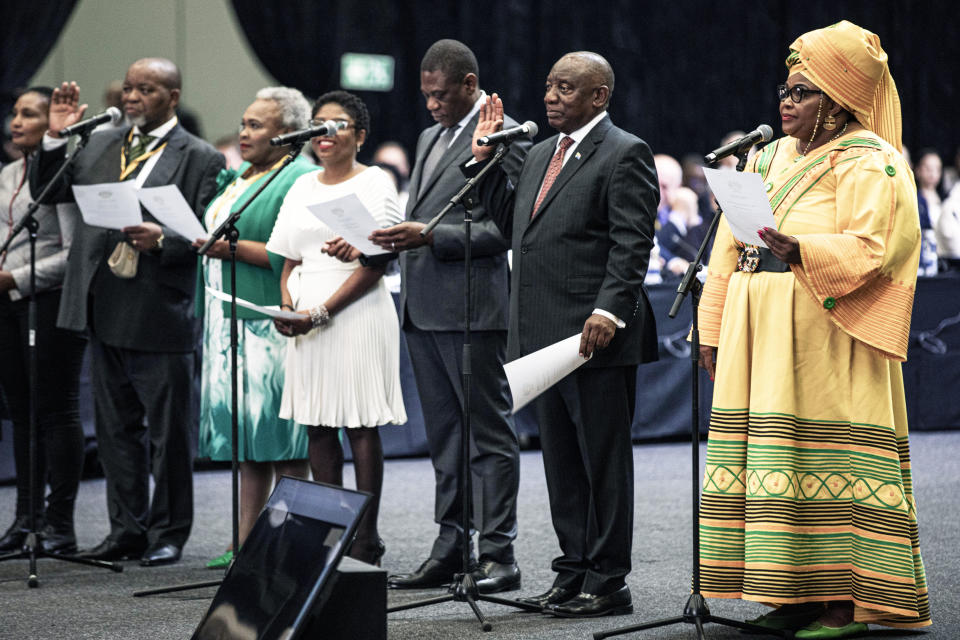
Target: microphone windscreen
[532,128]
[766,132]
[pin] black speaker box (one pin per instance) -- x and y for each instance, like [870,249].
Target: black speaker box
[356,607]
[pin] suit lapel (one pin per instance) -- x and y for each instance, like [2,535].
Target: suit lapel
[462,143]
[415,176]
[169,159]
[578,159]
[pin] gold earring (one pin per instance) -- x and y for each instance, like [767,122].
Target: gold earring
[829,123]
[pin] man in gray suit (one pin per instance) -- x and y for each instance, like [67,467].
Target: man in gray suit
[432,314]
[581,220]
[142,329]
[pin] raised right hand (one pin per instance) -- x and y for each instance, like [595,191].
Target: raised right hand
[491,121]
[65,108]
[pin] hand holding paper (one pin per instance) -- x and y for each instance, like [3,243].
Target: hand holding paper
[533,374]
[168,205]
[349,218]
[743,199]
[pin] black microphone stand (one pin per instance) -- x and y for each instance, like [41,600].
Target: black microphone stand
[464,588]
[32,548]
[696,611]
[228,228]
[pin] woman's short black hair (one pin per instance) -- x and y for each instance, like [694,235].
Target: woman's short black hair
[351,104]
[46,92]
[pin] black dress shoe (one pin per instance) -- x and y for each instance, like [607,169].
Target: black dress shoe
[53,540]
[159,554]
[431,574]
[110,550]
[15,535]
[587,605]
[556,595]
[494,577]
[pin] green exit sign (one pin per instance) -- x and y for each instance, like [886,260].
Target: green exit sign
[366,72]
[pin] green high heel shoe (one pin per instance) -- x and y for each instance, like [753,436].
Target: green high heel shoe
[818,631]
[222,561]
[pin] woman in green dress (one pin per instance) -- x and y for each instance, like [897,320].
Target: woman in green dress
[268,446]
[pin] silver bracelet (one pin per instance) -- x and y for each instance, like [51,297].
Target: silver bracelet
[319,316]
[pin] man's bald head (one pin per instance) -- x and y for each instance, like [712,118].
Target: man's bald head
[593,66]
[165,71]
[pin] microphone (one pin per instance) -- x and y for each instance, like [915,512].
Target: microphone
[328,128]
[763,133]
[528,129]
[111,115]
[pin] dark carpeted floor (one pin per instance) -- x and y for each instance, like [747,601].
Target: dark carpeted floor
[81,603]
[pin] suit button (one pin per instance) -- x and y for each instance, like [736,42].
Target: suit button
[524,249]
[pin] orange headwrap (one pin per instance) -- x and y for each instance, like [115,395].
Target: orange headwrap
[847,62]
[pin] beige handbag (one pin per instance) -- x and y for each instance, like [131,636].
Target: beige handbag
[123,261]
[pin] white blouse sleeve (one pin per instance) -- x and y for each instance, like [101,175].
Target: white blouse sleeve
[283,237]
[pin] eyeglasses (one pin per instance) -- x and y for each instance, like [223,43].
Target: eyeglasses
[346,123]
[796,93]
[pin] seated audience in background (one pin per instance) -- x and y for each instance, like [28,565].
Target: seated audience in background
[229,146]
[670,176]
[268,446]
[948,232]
[59,459]
[680,237]
[137,310]
[730,162]
[951,175]
[343,359]
[928,172]
[392,154]
[694,179]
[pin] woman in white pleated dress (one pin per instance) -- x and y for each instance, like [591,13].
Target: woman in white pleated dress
[343,362]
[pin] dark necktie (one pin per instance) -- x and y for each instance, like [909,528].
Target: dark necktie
[433,158]
[553,170]
[138,146]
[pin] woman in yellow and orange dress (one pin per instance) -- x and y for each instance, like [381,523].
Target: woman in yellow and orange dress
[807,499]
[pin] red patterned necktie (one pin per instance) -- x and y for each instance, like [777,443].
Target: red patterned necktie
[556,163]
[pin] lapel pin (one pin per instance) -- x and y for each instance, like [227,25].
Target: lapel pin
[577,155]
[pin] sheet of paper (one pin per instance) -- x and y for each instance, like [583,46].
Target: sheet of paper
[168,205]
[113,205]
[534,373]
[744,201]
[349,218]
[272,311]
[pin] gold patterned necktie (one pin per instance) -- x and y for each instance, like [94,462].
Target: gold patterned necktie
[553,170]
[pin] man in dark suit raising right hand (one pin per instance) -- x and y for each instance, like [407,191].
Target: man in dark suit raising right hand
[581,223]
[432,316]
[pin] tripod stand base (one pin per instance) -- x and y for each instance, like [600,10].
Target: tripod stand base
[32,551]
[464,589]
[697,613]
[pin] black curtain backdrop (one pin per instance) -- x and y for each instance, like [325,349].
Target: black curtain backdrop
[686,71]
[28,31]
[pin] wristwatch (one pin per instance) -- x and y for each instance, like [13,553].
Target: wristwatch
[159,243]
